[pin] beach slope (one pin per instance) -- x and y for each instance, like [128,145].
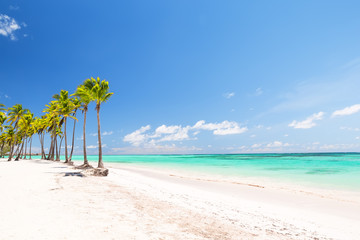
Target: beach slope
[48,200]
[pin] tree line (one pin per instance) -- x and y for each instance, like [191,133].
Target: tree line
[18,125]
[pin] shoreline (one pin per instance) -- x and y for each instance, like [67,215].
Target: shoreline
[143,203]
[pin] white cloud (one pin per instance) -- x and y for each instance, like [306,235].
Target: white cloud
[178,134]
[11,7]
[163,129]
[196,133]
[308,122]
[107,133]
[223,128]
[258,92]
[350,129]
[347,111]
[229,95]
[138,137]
[252,136]
[277,144]
[96,146]
[256,145]
[157,149]
[8,26]
[170,133]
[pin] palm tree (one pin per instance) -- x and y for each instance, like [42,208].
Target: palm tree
[85,95]
[2,144]
[10,139]
[100,94]
[66,108]
[15,113]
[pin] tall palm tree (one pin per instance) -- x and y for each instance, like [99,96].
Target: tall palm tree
[2,144]
[10,139]
[100,94]
[85,95]
[15,113]
[66,108]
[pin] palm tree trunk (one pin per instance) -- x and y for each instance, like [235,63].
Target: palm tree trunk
[30,146]
[73,137]
[50,149]
[100,163]
[26,147]
[56,149]
[42,146]
[84,136]
[1,149]
[66,153]
[17,151]
[53,149]
[20,150]
[60,146]
[12,146]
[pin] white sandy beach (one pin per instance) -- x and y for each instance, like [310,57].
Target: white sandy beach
[48,200]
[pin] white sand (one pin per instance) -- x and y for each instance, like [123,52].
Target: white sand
[38,201]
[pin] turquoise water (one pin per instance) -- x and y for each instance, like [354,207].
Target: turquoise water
[330,170]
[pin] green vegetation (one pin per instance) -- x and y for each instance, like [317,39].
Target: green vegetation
[18,125]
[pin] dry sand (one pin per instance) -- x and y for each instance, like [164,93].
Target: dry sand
[48,200]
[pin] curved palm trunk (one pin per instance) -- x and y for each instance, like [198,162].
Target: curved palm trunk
[73,138]
[84,136]
[1,149]
[66,153]
[26,147]
[11,151]
[61,139]
[56,150]
[16,152]
[100,163]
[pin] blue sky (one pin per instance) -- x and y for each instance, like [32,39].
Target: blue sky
[193,76]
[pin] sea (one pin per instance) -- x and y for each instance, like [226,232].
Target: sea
[326,170]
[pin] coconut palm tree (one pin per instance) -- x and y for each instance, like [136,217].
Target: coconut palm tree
[25,126]
[10,139]
[40,125]
[2,144]
[66,107]
[85,95]
[15,113]
[100,94]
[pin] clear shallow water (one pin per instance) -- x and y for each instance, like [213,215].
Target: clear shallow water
[329,170]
